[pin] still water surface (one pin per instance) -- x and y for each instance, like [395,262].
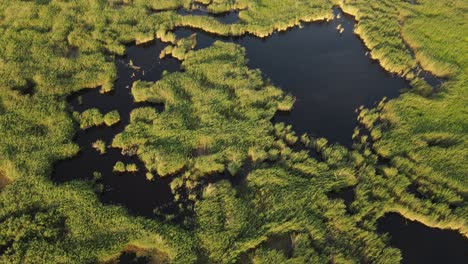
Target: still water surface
[329,73]
[421,244]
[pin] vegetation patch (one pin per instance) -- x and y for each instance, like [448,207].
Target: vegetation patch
[122,167]
[217,116]
[44,223]
[4,181]
[100,146]
[423,138]
[180,48]
[93,117]
[111,118]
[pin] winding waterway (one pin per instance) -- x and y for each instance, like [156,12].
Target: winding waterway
[328,72]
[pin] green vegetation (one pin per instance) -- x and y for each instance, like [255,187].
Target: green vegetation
[424,138]
[131,167]
[122,167]
[119,167]
[192,137]
[409,155]
[259,18]
[111,118]
[180,48]
[100,146]
[45,223]
[288,197]
[93,117]
[90,118]
[149,176]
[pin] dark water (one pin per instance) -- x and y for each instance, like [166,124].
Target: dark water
[131,258]
[132,190]
[421,244]
[347,195]
[430,79]
[329,73]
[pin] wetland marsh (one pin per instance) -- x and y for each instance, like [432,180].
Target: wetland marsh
[231,132]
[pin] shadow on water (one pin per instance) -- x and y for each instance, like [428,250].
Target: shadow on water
[132,190]
[132,258]
[347,195]
[421,244]
[329,73]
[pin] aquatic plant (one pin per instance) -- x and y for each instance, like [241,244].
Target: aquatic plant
[149,176]
[402,129]
[100,146]
[111,118]
[131,167]
[119,167]
[180,48]
[90,117]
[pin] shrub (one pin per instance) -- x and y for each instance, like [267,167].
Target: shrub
[112,118]
[100,146]
[132,167]
[91,117]
[119,167]
[149,176]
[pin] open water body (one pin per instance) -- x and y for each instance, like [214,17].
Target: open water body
[421,244]
[330,75]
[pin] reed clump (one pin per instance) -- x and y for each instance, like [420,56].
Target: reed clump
[100,146]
